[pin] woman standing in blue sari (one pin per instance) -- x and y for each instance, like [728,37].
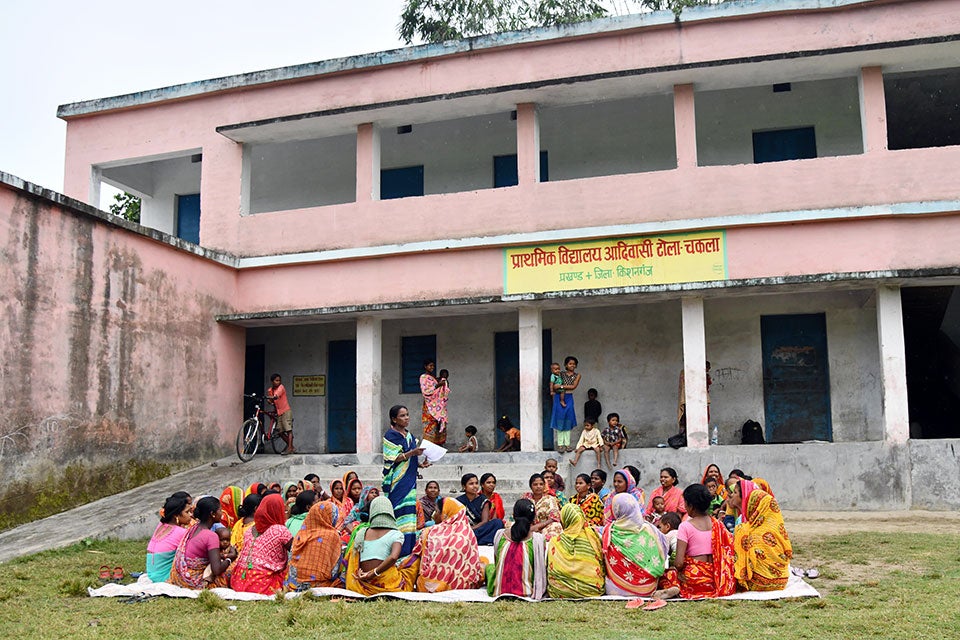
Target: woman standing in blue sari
[400,464]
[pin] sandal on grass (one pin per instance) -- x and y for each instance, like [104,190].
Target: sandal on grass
[117,574]
[812,573]
[656,604]
[105,573]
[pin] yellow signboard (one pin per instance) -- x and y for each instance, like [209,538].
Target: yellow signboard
[624,262]
[309,385]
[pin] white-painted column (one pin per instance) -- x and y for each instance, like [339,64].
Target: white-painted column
[370,418]
[531,379]
[695,372]
[893,365]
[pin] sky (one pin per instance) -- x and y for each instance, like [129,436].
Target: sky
[58,52]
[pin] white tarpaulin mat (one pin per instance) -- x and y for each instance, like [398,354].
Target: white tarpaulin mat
[796,588]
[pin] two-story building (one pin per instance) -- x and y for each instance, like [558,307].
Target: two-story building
[769,186]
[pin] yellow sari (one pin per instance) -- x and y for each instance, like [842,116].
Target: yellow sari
[762,546]
[399,577]
[575,558]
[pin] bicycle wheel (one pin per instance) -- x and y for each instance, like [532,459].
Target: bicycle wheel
[277,443]
[248,439]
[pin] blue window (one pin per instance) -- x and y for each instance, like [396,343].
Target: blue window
[188,218]
[413,351]
[785,144]
[505,172]
[401,183]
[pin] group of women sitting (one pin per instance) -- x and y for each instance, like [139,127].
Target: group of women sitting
[298,536]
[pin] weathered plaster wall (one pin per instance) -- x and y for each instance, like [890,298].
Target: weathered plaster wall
[935,474]
[110,349]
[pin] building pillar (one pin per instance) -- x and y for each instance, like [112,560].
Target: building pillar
[893,365]
[93,193]
[370,418]
[685,125]
[528,144]
[368,162]
[873,110]
[695,372]
[531,379]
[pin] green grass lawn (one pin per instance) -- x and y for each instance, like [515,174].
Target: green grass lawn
[874,585]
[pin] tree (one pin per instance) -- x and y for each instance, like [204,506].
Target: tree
[126,206]
[433,21]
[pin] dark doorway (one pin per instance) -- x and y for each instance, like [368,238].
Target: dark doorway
[506,347]
[342,396]
[784,144]
[254,376]
[931,328]
[796,379]
[188,218]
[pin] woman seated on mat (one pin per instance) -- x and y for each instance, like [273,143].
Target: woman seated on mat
[488,487]
[519,566]
[298,512]
[589,502]
[427,505]
[672,494]
[478,510]
[245,519]
[316,551]
[547,508]
[199,548]
[760,541]
[635,552]
[373,554]
[703,566]
[575,558]
[262,565]
[166,537]
[550,478]
[623,482]
[449,557]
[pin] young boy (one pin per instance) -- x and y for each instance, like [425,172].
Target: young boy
[668,526]
[556,383]
[471,444]
[589,439]
[512,443]
[278,396]
[659,509]
[592,407]
[551,465]
[716,502]
[598,481]
[614,439]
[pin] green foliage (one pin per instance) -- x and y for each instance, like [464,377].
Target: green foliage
[439,20]
[126,206]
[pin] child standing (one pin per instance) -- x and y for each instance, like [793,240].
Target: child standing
[589,439]
[556,383]
[614,439]
[277,394]
[592,407]
[471,443]
[564,417]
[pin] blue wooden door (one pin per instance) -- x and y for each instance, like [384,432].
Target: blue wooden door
[784,144]
[796,378]
[506,347]
[188,218]
[342,396]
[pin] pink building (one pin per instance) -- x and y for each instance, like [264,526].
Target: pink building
[771,186]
